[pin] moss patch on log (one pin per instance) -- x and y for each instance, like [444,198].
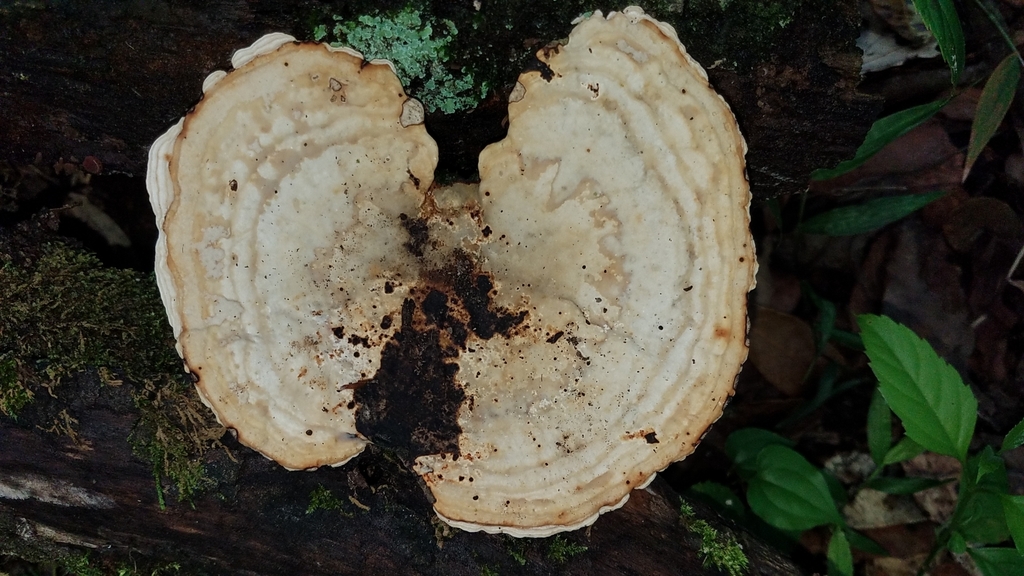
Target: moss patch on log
[66,313]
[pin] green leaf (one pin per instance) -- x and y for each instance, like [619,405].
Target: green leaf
[879,428]
[998,561]
[956,543]
[902,485]
[835,488]
[882,132]
[937,409]
[862,542]
[744,445]
[979,513]
[1014,438]
[1013,510]
[721,496]
[840,557]
[905,449]
[867,216]
[789,493]
[941,19]
[848,339]
[992,107]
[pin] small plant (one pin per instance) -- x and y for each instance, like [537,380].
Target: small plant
[938,412]
[941,18]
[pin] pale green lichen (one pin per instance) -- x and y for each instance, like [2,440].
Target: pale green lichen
[418,46]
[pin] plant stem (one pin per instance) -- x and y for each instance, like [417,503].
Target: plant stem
[941,539]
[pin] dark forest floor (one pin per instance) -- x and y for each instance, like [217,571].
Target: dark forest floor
[948,272]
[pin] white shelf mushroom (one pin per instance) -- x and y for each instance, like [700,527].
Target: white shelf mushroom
[537,345]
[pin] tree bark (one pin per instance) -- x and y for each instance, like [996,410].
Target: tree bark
[90,496]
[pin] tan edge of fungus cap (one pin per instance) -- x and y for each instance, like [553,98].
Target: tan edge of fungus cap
[536,346]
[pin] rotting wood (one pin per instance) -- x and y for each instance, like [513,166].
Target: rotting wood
[105,78]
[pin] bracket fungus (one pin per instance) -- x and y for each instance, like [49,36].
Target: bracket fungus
[536,345]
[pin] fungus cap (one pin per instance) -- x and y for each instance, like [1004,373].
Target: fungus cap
[537,345]
[287,171]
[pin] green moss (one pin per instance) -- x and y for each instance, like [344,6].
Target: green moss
[172,433]
[561,550]
[81,565]
[685,510]
[322,499]
[516,549]
[63,311]
[719,550]
[418,46]
[13,394]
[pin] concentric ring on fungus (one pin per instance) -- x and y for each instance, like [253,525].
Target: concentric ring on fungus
[535,346]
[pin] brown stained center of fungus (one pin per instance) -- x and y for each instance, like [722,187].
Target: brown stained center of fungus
[412,402]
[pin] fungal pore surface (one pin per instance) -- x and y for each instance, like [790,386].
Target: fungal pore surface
[536,345]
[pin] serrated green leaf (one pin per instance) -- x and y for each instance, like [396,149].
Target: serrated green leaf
[941,19]
[840,557]
[979,513]
[1014,438]
[902,485]
[882,132]
[721,496]
[993,104]
[879,428]
[1013,510]
[867,216]
[744,445]
[789,493]
[998,561]
[905,449]
[937,409]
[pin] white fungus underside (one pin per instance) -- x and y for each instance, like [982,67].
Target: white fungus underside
[617,210]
